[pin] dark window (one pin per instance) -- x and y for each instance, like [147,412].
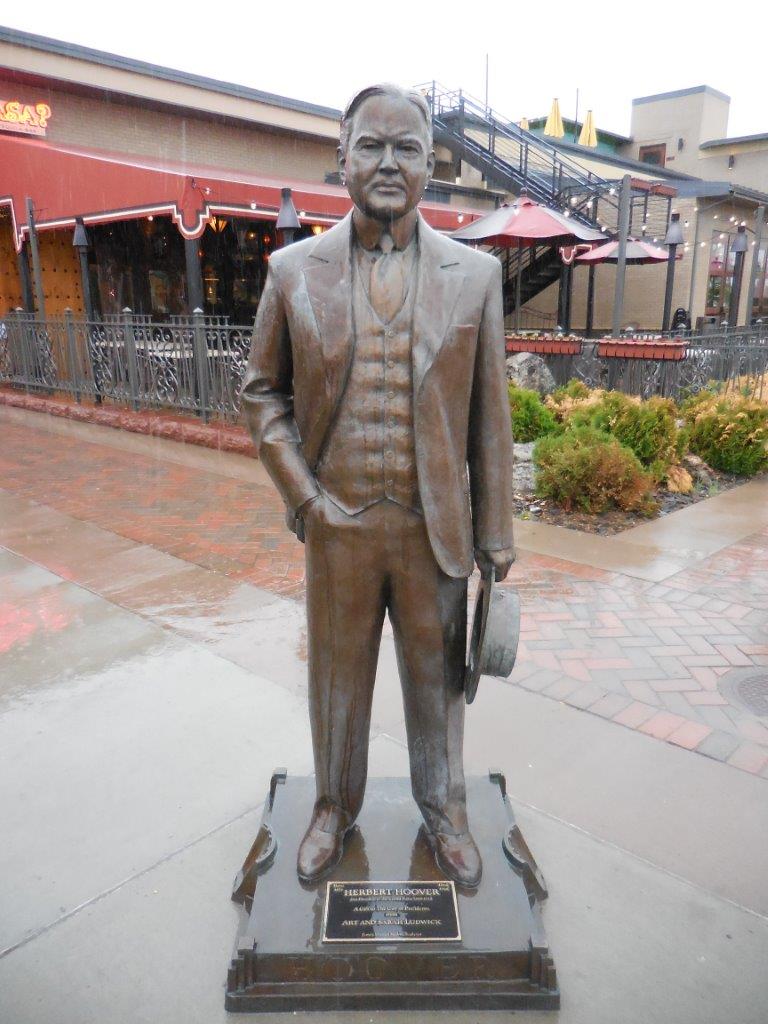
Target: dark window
[656,155]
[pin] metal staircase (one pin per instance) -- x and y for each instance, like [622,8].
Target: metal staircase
[516,160]
[519,162]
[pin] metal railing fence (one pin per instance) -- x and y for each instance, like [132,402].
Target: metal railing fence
[196,365]
[193,364]
[736,359]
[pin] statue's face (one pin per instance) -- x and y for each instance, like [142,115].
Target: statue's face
[388,160]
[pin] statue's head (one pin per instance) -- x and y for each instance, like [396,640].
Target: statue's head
[385,150]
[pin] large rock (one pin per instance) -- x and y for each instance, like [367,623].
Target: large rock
[529,371]
[699,470]
[523,470]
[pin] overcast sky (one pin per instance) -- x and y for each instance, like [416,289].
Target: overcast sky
[323,52]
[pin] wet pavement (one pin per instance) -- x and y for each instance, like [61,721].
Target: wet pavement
[661,629]
[152,674]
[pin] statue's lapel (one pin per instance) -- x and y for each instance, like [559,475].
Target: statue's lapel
[440,280]
[328,279]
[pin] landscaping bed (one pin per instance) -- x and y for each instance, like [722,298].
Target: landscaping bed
[542,510]
[602,462]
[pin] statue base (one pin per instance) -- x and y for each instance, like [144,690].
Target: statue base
[382,943]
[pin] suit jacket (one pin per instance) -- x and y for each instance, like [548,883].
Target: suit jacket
[299,364]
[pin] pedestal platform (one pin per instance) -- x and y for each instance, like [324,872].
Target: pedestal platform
[283,962]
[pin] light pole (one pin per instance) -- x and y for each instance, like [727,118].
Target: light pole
[80,242]
[739,247]
[287,219]
[673,239]
[625,202]
[755,268]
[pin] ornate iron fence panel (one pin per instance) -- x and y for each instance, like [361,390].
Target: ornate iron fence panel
[733,359]
[193,364]
[196,364]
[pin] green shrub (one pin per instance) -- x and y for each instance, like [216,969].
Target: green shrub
[573,389]
[729,432]
[588,469]
[648,427]
[531,419]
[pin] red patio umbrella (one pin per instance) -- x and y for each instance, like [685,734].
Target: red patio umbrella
[525,223]
[637,252]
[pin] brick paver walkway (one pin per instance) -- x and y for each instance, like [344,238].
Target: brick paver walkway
[663,659]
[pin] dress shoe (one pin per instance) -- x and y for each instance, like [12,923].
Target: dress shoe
[458,857]
[319,853]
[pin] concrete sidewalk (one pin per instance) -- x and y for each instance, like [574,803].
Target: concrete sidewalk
[145,697]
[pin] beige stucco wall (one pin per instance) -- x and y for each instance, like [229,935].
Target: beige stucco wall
[694,118]
[750,167]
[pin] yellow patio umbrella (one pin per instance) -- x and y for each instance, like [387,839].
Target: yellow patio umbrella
[588,135]
[554,125]
[524,124]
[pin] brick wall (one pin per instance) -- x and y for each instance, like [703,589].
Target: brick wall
[173,135]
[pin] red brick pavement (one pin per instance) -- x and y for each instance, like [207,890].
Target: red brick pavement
[651,657]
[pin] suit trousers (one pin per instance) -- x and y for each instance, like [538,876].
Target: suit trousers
[359,568]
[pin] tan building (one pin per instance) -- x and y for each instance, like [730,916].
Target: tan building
[175,176]
[680,138]
[178,181]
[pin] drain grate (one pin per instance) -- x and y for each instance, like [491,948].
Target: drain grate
[754,693]
[748,688]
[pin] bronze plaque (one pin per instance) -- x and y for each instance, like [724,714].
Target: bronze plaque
[391,912]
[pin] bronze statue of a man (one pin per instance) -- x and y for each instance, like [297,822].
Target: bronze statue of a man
[376,397]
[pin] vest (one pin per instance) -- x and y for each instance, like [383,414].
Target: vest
[370,453]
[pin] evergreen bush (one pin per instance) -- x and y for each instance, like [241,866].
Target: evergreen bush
[531,419]
[648,428]
[729,432]
[587,469]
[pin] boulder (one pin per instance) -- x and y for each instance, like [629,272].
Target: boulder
[527,370]
[699,470]
[523,471]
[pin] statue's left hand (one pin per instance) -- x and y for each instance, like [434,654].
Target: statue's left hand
[496,562]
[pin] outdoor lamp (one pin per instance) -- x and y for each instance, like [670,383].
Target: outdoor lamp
[674,231]
[738,247]
[673,239]
[287,219]
[739,244]
[80,242]
[80,237]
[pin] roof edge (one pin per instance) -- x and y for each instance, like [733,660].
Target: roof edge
[113,60]
[735,141]
[676,93]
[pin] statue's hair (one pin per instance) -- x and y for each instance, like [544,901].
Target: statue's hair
[383,89]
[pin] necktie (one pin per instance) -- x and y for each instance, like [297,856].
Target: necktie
[387,281]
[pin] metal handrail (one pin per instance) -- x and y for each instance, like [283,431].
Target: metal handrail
[568,178]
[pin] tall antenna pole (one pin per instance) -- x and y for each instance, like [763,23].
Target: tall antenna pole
[486,81]
[576,122]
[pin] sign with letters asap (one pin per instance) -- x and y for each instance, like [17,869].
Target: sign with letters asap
[27,118]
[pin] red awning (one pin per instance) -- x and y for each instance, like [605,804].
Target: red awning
[65,182]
